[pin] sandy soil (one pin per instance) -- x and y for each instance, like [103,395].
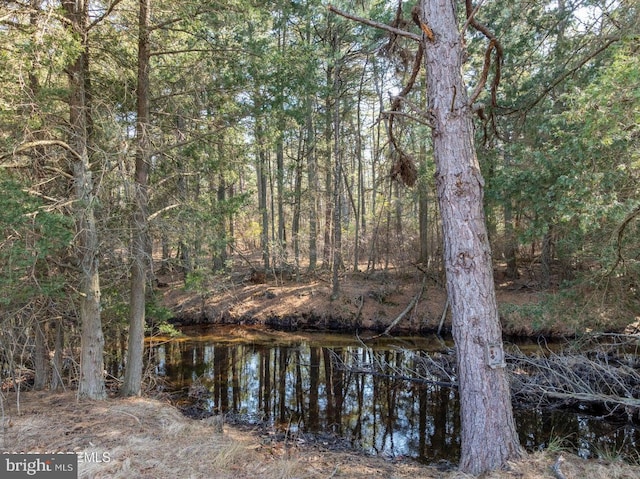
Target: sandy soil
[370,301]
[148,438]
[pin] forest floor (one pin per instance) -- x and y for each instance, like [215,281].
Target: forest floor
[372,301]
[149,438]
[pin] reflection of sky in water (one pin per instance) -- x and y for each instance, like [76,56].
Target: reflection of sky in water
[375,413]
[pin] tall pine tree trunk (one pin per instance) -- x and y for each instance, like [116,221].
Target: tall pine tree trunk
[282,240]
[139,256]
[328,184]
[261,177]
[56,363]
[312,176]
[546,256]
[488,436]
[423,209]
[297,206]
[87,250]
[220,250]
[40,357]
[359,206]
[337,184]
[511,245]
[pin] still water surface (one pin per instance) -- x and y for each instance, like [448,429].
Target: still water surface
[296,382]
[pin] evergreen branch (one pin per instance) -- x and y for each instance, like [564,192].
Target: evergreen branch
[187,142]
[567,73]
[57,203]
[10,23]
[171,21]
[185,50]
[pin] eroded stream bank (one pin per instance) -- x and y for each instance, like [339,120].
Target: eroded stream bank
[301,385]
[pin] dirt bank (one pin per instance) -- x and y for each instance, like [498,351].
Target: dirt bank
[148,438]
[373,302]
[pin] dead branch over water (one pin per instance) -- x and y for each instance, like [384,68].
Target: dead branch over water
[607,377]
[601,372]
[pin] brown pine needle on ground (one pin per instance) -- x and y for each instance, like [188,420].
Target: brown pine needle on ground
[148,438]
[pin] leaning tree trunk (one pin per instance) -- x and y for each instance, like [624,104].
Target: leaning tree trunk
[488,436]
[92,340]
[132,383]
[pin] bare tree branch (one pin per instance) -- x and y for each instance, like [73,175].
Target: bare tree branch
[471,16]
[171,21]
[567,73]
[424,121]
[493,42]
[371,23]
[404,165]
[619,235]
[35,144]
[410,306]
[50,13]
[105,14]
[484,75]
[161,211]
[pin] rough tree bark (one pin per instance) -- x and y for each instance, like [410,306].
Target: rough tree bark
[488,437]
[132,383]
[423,212]
[40,357]
[488,434]
[337,176]
[312,175]
[312,166]
[328,184]
[297,207]
[261,178]
[87,250]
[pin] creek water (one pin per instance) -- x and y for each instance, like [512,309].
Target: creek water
[298,382]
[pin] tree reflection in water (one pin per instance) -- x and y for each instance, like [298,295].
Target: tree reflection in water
[302,385]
